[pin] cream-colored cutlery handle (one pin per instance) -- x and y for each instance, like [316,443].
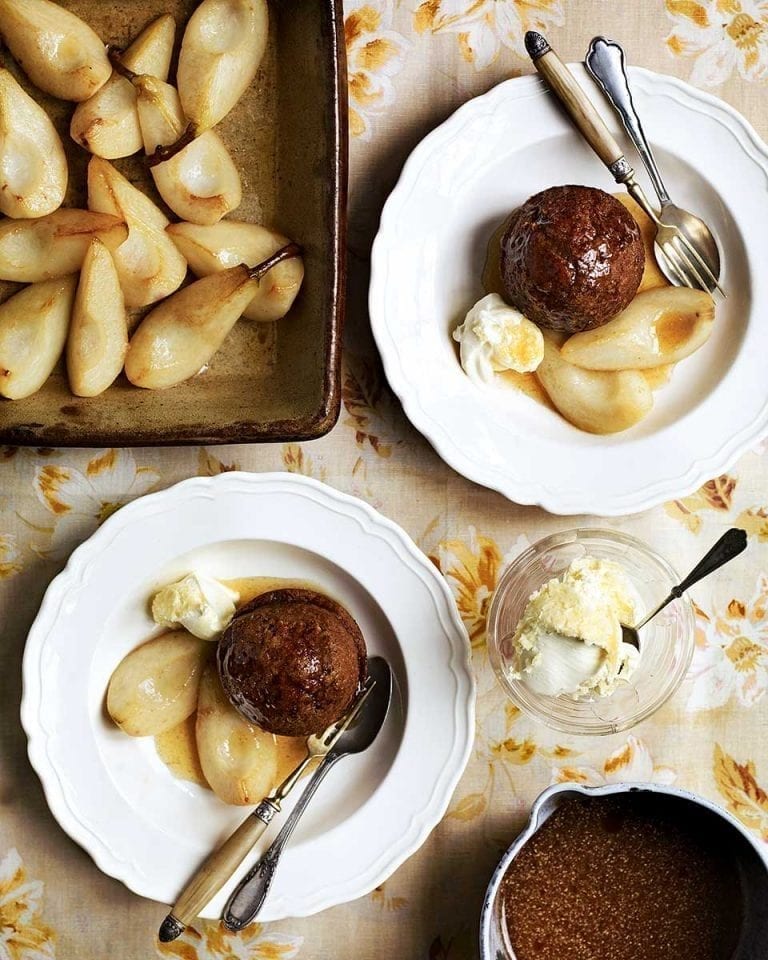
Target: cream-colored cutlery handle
[577,103]
[216,870]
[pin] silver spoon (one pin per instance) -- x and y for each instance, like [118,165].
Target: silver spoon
[730,545]
[606,62]
[249,895]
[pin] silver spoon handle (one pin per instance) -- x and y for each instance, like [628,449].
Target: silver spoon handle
[730,545]
[249,895]
[606,63]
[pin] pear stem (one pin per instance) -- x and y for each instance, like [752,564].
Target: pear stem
[115,55]
[162,154]
[288,252]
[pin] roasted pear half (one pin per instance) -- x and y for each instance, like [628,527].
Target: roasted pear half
[180,336]
[98,335]
[659,327]
[107,124]
[57,50]
[155,686]
[222,48]
[33,331]
[52,247]
[239,759]
[33,167]
[597,401]
[198,180]
[148,263]
[210,249]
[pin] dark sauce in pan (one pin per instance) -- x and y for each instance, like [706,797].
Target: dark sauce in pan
[629,877]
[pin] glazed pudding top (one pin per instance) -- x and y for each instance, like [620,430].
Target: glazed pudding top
[292,661]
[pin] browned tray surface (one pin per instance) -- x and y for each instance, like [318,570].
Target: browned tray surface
[288,137]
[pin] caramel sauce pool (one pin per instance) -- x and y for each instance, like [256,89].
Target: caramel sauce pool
[491,278]
[178,751]
[177,747]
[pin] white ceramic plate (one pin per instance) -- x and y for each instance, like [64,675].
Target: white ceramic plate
[113,795]
[460,183]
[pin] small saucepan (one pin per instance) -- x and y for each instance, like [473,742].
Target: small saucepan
[750,860]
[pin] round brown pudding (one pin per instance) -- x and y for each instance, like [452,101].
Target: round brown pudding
[571,258]
[292,661]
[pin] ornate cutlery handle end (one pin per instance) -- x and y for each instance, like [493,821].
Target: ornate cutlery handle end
[248,899]
[170,929]
[536,45]
[606,64]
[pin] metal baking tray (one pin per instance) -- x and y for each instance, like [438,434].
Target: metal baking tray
[288,136]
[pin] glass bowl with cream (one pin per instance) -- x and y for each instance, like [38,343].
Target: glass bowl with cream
[554,631]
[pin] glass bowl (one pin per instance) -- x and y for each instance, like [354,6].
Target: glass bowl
[666,643]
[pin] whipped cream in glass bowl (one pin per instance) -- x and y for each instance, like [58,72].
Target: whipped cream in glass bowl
[554,634]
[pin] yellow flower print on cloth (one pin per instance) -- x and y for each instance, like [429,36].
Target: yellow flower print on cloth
[23,935]
[215,942]
[10,561]
[744,796]
[722,36]
[716,494]
[371,409]
[631,762]
[731,656]
[484,27]
[375,54]
[81,500]
[471,568]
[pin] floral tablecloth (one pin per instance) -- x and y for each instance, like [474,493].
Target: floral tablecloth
[411,62]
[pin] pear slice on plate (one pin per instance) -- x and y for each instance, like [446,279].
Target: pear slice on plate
[98,335]
[52,247]
[222,48]
[33,331]
[597,401]
[33,167]
[210,249]
[155,686]
[148,263]
[107,124]
[57,50]
[199,182]
[659,327]
[238,758]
